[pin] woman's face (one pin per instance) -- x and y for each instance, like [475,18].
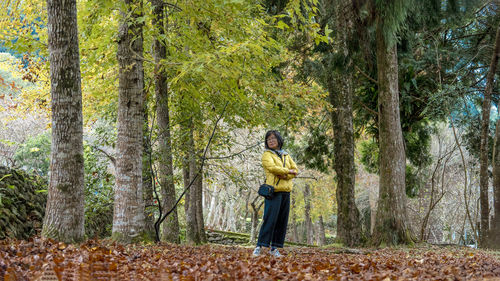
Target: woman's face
[272,142]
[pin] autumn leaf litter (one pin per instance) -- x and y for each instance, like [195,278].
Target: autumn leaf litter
[39,259]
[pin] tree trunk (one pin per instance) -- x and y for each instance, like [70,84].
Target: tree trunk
[64,213]
[128,218]
[295,233]
[494,241]
[147,179]
[255,220]
[321,232]
[340,88]
[485,133]
[192,233]
[309,227]
[391,219]
[199,203]
[348,223]
[165,162]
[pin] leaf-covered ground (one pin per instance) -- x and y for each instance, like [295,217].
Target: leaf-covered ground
[39,259]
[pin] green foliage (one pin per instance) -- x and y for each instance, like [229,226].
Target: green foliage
[413,181]
[316,150]
[34,155]
[418,143]
[369,151]
[22,203]
[98,195]
[99,182]
[392,15]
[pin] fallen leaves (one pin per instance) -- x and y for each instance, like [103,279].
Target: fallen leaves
[43,259]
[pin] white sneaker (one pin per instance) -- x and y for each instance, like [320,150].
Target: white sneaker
[275,253]
[256,251]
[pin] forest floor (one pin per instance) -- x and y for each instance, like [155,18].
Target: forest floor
[40,259]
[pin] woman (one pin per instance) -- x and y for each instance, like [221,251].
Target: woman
[280,170]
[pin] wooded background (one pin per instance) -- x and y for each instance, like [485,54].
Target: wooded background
[126,108]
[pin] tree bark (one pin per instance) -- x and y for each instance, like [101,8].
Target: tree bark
[128,218]
[199,203]
[64,213]
[255,219]
[391,218]
[295,232]
[495,224]
[192,233]
[485,133]
[309,227]
[321,232]
[147,178]
[340,88]
[165,158]
[348,223]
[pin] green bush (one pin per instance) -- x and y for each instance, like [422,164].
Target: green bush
[33,156]
[22,203]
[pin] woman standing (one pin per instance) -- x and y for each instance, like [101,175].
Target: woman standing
[280,170]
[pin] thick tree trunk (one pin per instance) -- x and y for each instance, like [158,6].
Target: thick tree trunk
[485,133]
[128,218]
[348,223]
[64,214]
[391,219]
[340,88]
[309,227]
[165,162]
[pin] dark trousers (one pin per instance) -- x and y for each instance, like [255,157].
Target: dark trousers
[273,229]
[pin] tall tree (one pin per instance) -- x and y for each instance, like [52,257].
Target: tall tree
[391,225]
[485,128]
[308,224]
[128,218]
[190,172]
[147,175]
[341,90]
[334,73]
[195,230]
[494,235]
[165,162]
[64,215]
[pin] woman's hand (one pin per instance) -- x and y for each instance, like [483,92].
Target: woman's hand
[292,171]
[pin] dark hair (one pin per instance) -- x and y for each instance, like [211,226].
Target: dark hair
[277,135]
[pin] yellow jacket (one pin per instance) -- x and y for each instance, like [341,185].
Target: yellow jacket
[273,167]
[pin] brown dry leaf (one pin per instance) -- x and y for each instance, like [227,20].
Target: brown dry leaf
[100,260]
